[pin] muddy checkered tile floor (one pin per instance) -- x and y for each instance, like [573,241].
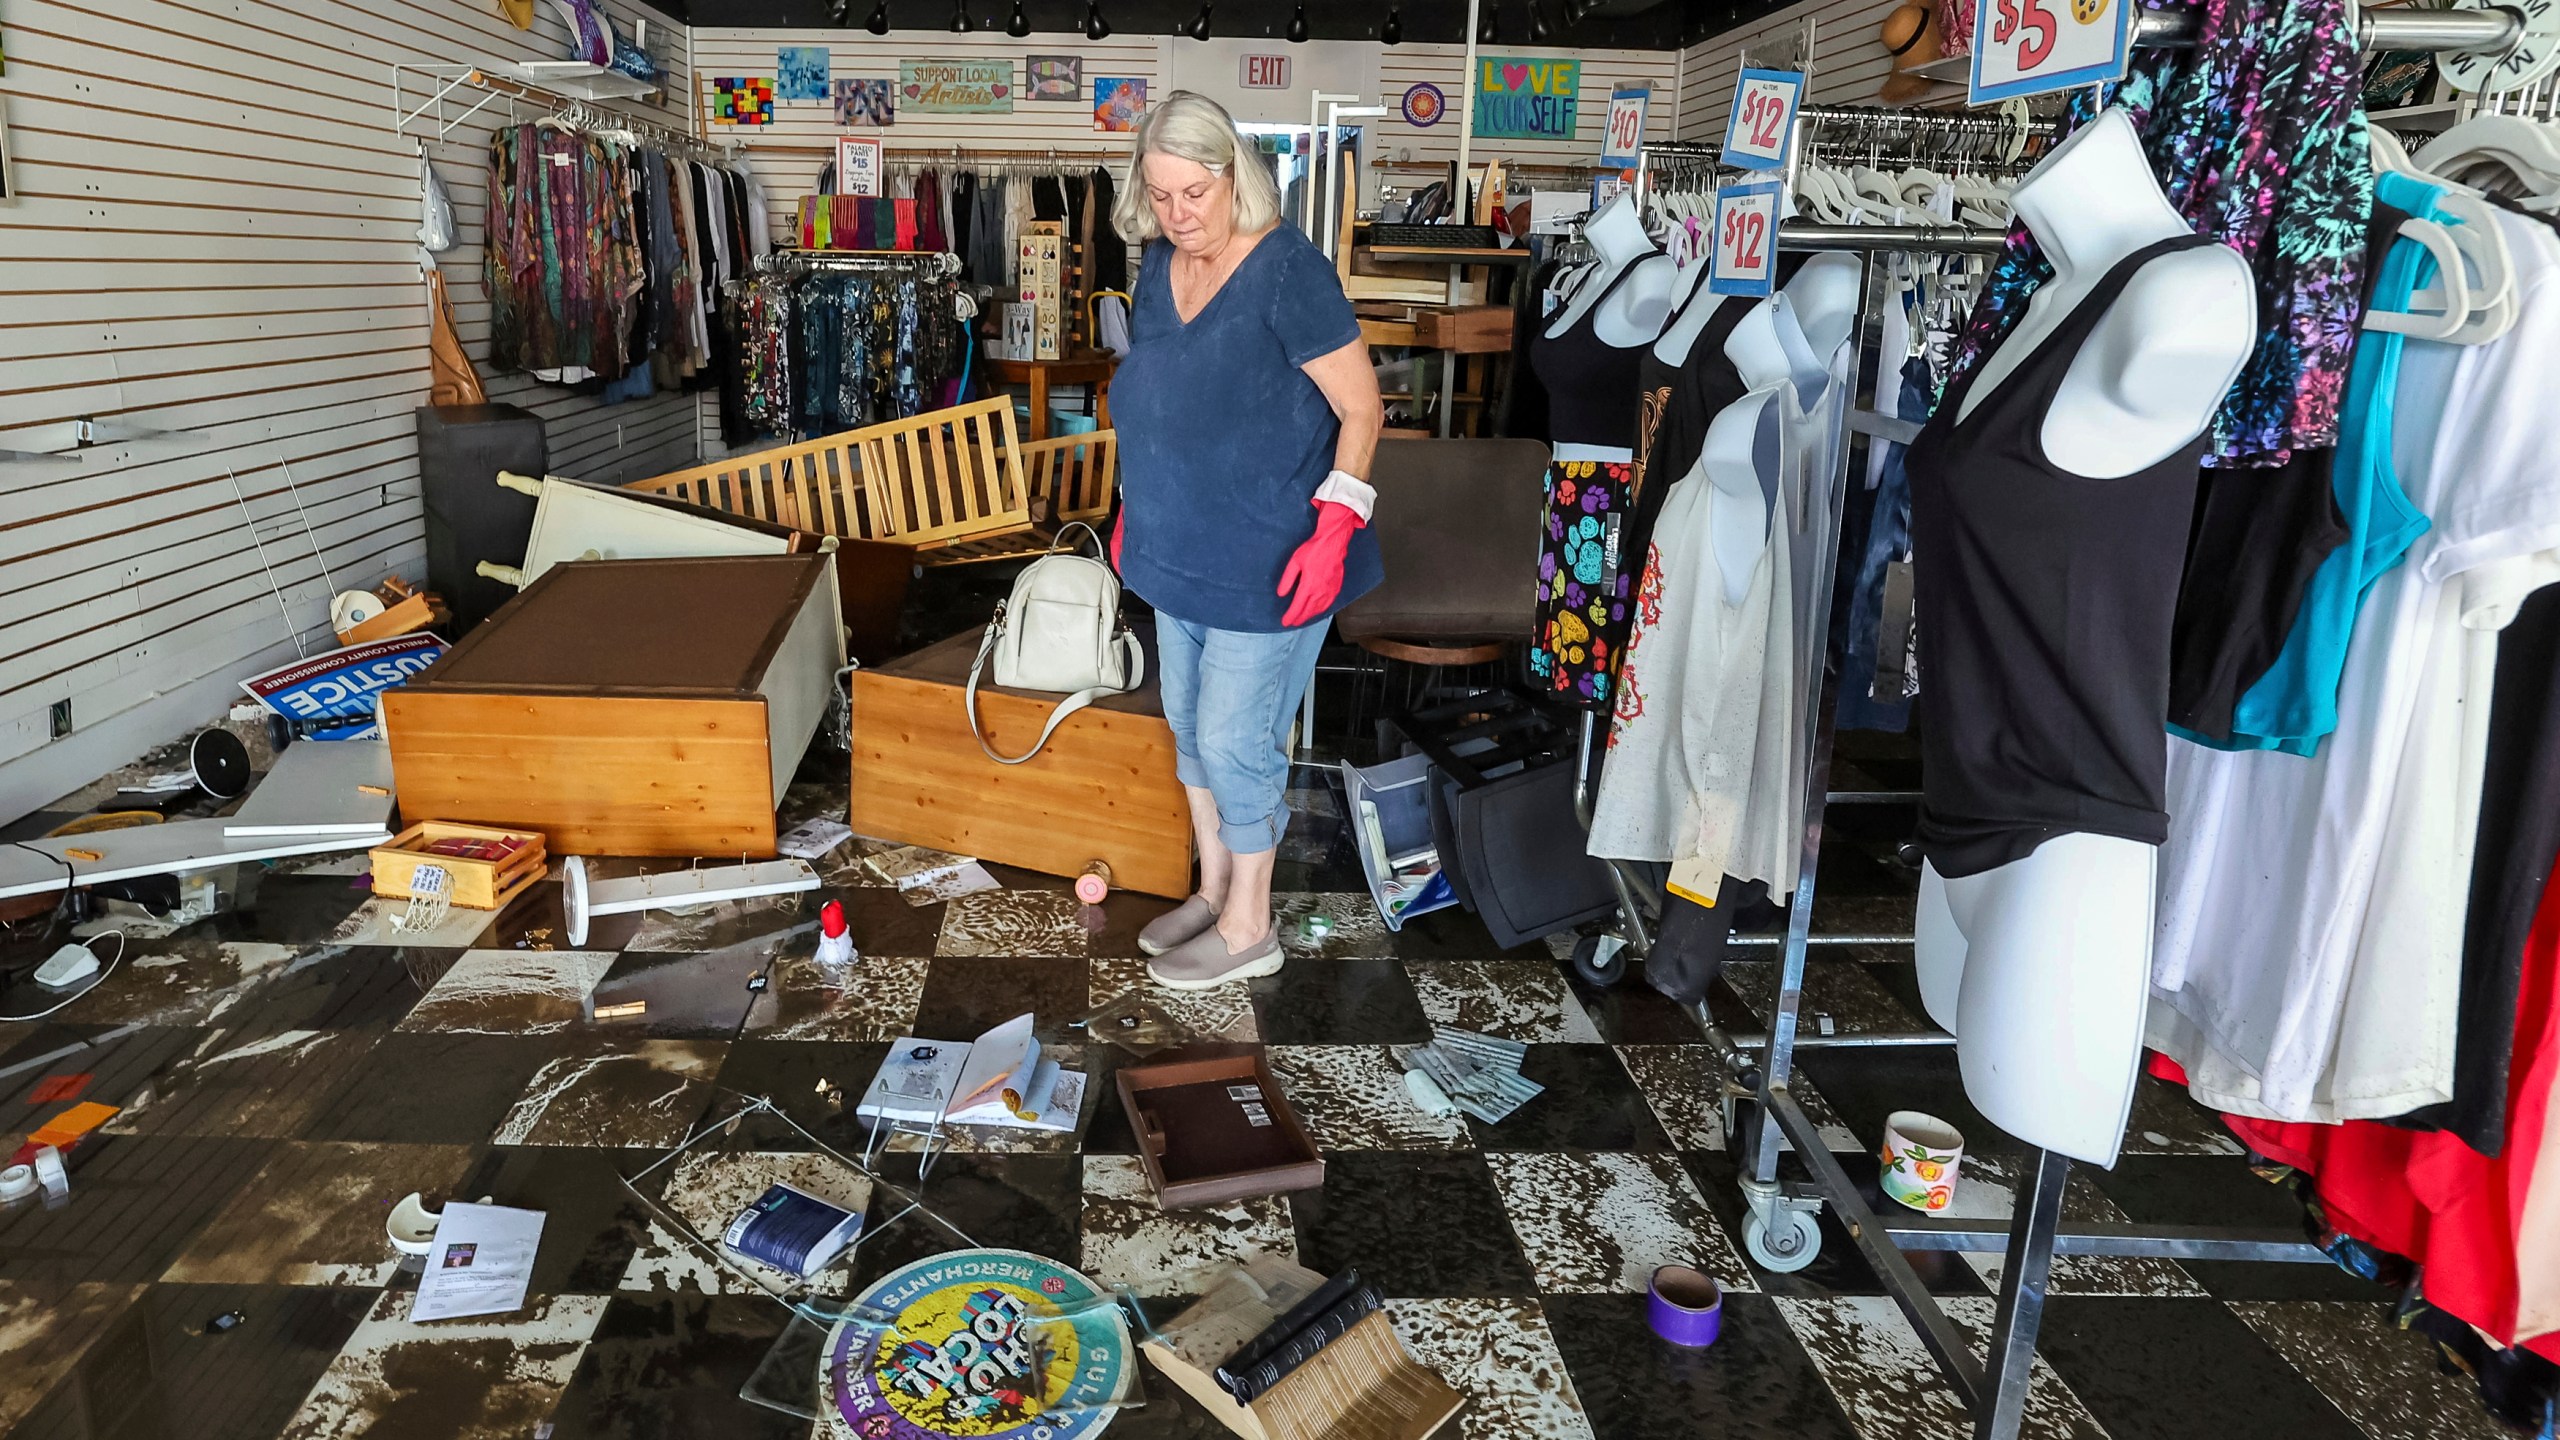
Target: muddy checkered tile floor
[289,1071]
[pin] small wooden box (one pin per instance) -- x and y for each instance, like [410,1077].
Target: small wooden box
[627,707]
[475,884]
[1467,330]
[1102,789]
[1197,1137]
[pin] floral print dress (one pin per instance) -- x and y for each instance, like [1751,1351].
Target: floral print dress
[1585,588]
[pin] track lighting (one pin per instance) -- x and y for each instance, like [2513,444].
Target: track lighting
[1198,29]
[1490,31]
[1095,27]
[1538,31]
[1297,31]
[1391,33]
[878,24]
[839,10]
[961,24]
[1020,24]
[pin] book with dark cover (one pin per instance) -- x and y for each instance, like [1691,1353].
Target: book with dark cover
[1299,1336]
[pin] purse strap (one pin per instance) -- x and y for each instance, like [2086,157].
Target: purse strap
[1058,716]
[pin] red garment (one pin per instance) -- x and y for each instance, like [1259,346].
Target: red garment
[2434,1199]
[906,220]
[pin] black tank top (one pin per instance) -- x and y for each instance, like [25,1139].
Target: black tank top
[2044,604]
[1590,383]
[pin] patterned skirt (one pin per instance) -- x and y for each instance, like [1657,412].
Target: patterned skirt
[1587,575]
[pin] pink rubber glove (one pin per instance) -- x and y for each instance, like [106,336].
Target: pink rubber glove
[1118,528]
[1314,574]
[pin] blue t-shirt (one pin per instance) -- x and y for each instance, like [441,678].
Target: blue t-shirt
[1223,439]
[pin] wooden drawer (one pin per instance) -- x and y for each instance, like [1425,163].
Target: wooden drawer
[627,707]
[1103,789]
[1468,330]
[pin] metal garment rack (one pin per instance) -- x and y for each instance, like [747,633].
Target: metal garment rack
[1779,1230]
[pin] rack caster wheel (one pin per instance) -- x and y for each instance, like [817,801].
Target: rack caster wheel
[1602,965]
[1790,1247]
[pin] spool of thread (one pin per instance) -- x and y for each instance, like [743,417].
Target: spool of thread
[17,1183]
[1685,1307]
[50,1174]
[1095,882]
[835,940]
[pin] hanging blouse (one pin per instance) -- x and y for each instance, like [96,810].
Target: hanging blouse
[2257,140]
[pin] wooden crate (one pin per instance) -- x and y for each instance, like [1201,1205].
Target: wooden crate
[626,707]
[474,884]
[1104,789]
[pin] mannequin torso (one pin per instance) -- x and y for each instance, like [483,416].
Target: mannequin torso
[2041,966]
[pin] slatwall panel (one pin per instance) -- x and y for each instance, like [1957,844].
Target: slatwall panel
[1404,66]
[217,233]
[1849,61]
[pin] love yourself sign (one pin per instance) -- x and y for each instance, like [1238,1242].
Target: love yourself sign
[1524,99]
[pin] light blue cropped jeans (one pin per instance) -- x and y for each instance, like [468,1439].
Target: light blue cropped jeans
[1230,696]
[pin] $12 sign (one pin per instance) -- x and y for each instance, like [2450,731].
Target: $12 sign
[1745,260]
[2029,47]
[1763,117]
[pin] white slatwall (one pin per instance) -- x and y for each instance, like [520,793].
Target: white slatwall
[217,233]
[1849,62]
[1404,66]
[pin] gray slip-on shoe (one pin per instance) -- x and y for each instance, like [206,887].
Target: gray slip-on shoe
[1203,962]
[1176,925]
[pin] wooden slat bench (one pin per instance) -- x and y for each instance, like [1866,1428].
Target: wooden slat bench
[957,485]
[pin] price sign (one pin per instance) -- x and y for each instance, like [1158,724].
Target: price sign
[1745,261]
[1764,114]
[1622,142]
[2029,47]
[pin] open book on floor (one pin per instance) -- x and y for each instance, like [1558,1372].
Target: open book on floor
[1001,1078]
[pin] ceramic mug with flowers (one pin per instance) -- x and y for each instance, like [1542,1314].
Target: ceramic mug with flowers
[1920,1156]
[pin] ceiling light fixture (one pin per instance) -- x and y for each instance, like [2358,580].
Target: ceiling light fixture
[1297,31]
[961,24]
[1198,29]
[1095,27]
[1490,31]
[1020,24]
[1391,33]
[1538,29]
[878,24]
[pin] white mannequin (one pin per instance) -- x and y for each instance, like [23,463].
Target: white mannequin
[1635,311]
[2041,967]
[1682,335]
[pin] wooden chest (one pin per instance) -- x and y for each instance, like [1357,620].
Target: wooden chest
[1104,789]
[627,707]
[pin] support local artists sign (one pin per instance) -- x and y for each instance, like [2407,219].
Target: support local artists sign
[1521,99]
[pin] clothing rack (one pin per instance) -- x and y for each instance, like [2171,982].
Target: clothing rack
[1779,1230]
[936,262]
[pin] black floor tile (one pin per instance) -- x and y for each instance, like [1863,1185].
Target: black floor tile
[435,1088]
[1591,1103]
[2176,1369]
[1007,1202]
[2220,1190]
[592,1221]
[669,1367]
[1755,1381]
[966,996]
[787,1072]
[135,1202]
[1416,1225]
[294,909]
[883,923]
[1363,1000]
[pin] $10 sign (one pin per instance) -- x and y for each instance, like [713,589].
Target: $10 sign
[1763,116]
[2029,47]
[1745,261]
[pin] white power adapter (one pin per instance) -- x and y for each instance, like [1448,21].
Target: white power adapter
[68,967]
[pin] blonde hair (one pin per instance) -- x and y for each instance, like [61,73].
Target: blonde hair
[1193,127]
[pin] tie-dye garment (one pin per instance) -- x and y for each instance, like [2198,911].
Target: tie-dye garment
[2258,138]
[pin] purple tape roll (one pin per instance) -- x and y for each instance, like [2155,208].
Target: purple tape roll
[1685,1307]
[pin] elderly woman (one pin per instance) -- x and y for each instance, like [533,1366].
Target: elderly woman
[1247,413]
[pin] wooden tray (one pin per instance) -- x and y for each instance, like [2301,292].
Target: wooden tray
[476,884]
[1196,1142]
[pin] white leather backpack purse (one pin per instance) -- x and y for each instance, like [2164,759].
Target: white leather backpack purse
[1060,630]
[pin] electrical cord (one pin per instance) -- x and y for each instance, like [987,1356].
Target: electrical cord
[121,947]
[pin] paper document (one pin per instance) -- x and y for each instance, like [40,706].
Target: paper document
[482,1262]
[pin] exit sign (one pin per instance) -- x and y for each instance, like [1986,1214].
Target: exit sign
[1266,72]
